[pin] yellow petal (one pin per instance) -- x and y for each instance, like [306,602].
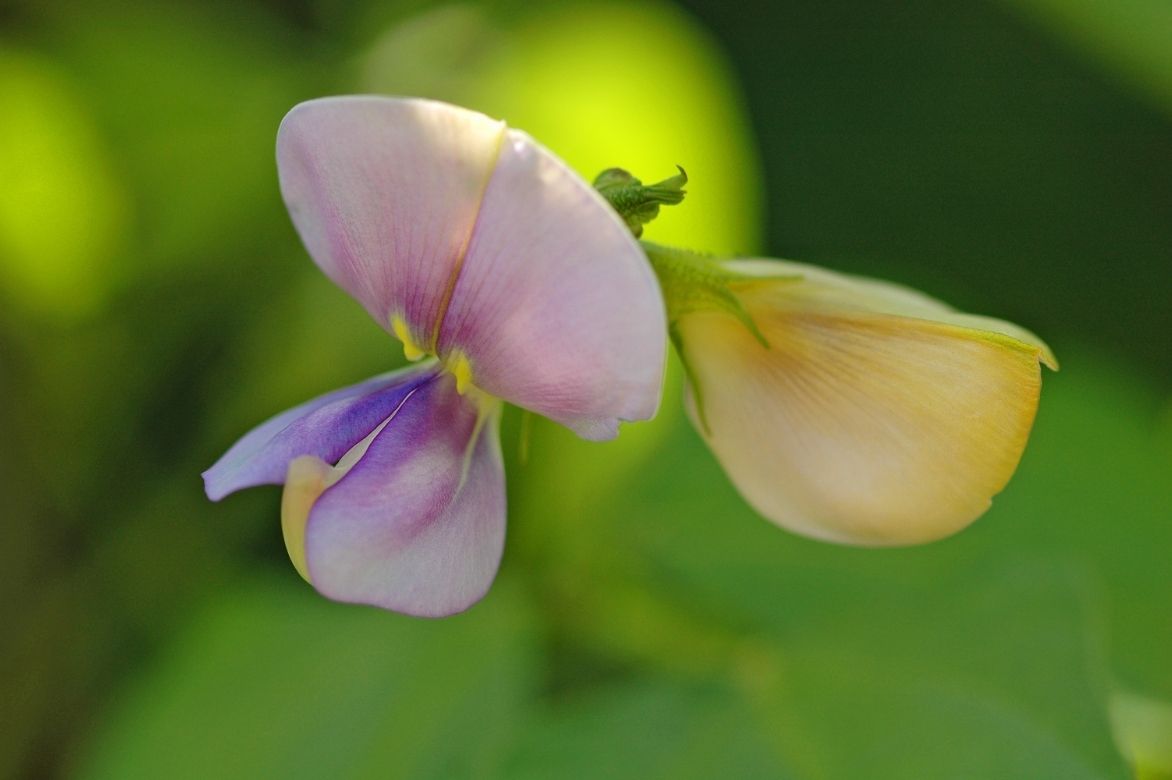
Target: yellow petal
[306,480]
[875,416]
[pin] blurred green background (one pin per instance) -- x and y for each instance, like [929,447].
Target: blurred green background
[1013,157]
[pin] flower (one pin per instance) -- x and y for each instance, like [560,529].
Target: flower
[849,409]
[508,278]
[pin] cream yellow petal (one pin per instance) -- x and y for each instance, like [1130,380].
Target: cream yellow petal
[307,479]
[858,424]
[829,292]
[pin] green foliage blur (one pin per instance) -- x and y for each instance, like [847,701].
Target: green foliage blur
[1013,157]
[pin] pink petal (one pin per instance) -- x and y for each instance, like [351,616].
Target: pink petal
[384,193]
[417,525]
[556,308]
[486,246]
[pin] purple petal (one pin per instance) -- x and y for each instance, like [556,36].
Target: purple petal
[417,525]
[556,307]
[384,193]
[325,427]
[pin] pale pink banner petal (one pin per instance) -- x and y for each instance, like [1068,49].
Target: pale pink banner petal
[384,193]
[556,308]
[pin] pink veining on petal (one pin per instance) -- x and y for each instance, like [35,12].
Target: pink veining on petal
[384,193]
[556,307]
[417,525]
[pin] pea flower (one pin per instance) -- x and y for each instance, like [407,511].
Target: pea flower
[849,409]
[507,278]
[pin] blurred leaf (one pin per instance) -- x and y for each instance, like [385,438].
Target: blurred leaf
[648,729]
[56,644]
[1000,680]
[1130,36]
[190,95]
[564,480]
[1143,727]
[970,680]
[62,212]
[273,682]
[1095,484]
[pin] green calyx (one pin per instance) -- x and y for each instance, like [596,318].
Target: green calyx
[638,203]
[693,282]
[690,281]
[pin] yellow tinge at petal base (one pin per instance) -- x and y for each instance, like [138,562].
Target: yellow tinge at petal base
[307,479]
[876,415]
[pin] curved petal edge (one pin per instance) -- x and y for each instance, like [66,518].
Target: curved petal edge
[417,523]
[325,427]
[556,308]
[858,423]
